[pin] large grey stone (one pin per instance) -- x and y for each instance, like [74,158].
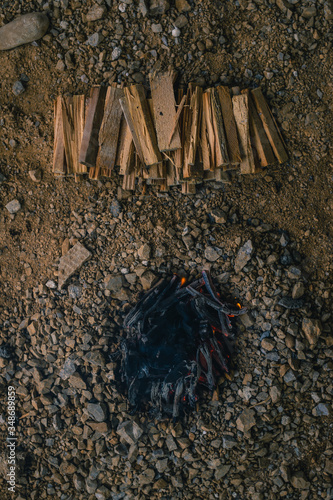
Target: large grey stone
[96,411]
[13,206]
[213,253]
[71,262]
[23,29]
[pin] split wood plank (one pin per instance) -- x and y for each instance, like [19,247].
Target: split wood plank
[241,113]
[127,156]
[258,135]
[229,124]
[59,157]
[269,125]
[164,110]
[110,127]
[130,123]
[94,116]
[177,118]
[209,163]
[121,138]
[73,124]
[191,131]
[221,150]
[142,122]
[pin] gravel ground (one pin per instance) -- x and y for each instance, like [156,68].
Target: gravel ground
[267,434]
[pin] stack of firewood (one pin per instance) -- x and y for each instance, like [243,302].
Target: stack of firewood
[160,141]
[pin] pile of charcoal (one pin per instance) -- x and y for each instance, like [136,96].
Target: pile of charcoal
[180,339]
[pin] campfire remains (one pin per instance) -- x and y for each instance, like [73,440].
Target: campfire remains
[179,339]
[161,140]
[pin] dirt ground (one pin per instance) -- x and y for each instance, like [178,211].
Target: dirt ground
[288,55]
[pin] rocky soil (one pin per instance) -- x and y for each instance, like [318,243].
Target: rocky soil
[266,238]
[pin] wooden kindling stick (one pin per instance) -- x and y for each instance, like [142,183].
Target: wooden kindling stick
[179,111]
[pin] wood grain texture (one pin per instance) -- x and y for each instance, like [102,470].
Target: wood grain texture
[142,123]
[221,150]
[269,125]
[229,124]
[59,157]
[73,124]
[258,136]
[164,108]
[94,116]
[110,127]
[241,113]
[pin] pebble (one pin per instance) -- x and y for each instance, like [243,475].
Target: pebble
[158,7]
[96,411]
[219,216]
[212,253]
[129,431]
[244,256]
[246,420]
[147,280]
[95,39]
[35,175]
[144,252]
[18,88]
[95,13]
[24,29]
[156,28]
[176,32]
[116,53]
[228,442]
[183,6]
[299,481]
[13,206]
[311,329]
[320,410]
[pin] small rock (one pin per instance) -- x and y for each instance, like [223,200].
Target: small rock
[115,208]
[228,442]
[158,7]
[311,329]
[320,410]
[50,284]
[76,381]
[116,53]
[274,393]
[268,344]
[18,88]
[156,28]
[221,471]
[68,369]
[146,477]
[170,442]
[95,13]
[74,291]
[24,29]
[309,12]
[243,256]
[161,465]
[181,21]
[147,280]
[97,411]
[60,66]
[289,377]
[219,216]
[13,206]
[299,482]
[176,32]
[114,283]
[212,253]
[183,6]
[95,39]
[246,420]
[129,431]
[144,252]
[298,290]
[35,175]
